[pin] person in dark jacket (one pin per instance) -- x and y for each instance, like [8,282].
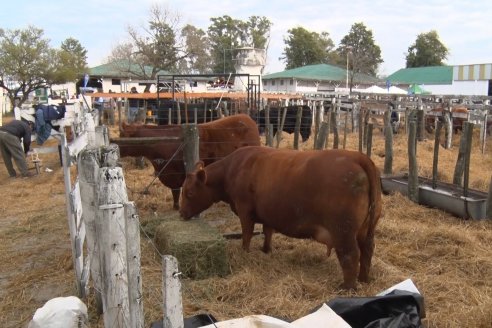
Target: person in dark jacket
[133,105]
[11,147]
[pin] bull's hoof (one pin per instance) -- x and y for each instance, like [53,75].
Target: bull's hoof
[266,250]
[348,286]
[176,207]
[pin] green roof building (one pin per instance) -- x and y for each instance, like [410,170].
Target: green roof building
[447,80]
[118,76]
[423,75]
[314,78]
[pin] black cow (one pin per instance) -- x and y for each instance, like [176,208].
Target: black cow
[204,112]
[290,120]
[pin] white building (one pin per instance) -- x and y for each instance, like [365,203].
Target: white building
[314,78]
[466,80]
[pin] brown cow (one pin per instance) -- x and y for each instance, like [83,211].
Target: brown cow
[331,196]
[217,139]
[459,115]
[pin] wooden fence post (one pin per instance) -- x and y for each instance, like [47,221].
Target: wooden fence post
[388,143]
[191,146]
[436,154]
[420,124]
[322,135]
[334,124]
[408,114]
[178,113]
[83,130]
[328,122]
[352,118]
[297,128]
[88,168]
[268,126]
[316,110]
[367,113]
[488,214]
[413,179]
[468,145]
[72,218]
[448,129]
[369,139]
[172,304]
[269,135]
[101,136]
[90,129]
[483,132]
[135,298]
[419,116]
[345,130]
[460,161]
[281,126]
[113,245]
[361,129]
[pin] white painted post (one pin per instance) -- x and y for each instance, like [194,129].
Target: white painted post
[83,266]
[101,136]
[88,169]
[74,212]
[135,298]
[173,306]
[113,248]
[90,128]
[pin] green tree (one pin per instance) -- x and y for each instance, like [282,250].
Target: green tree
[224,38]
[27,62]
[227,34]
[255,32]
[71,62]
[197,47]
[427,50]
[307,48]
[360,52]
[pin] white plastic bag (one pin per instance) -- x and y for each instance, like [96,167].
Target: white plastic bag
[61,312]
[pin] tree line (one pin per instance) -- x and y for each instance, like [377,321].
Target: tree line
[164,44]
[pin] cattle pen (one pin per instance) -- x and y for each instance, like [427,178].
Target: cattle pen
[413,241]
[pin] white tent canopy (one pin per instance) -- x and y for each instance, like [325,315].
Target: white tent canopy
[397,91]
[374,89]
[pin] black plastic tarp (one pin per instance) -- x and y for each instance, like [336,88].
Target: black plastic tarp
[397,309]
[195,321]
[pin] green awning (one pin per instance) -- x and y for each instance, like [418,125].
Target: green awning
[416,89]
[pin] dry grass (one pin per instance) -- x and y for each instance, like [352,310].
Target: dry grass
[449,259]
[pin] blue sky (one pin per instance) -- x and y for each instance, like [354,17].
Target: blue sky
[99,25]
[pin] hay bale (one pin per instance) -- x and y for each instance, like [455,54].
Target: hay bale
[199,248]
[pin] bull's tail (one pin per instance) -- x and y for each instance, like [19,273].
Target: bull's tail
[366,241]
[375,202]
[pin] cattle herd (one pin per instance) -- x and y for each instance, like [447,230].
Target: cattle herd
[217,139]
[284,190]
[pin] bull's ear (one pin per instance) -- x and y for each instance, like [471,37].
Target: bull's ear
[201,175]
[199,165]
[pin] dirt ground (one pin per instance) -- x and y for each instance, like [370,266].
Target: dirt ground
[448,259]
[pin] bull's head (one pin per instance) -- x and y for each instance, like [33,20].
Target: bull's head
[196,196]
[129,130]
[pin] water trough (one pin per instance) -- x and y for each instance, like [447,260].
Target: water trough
[447,197]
